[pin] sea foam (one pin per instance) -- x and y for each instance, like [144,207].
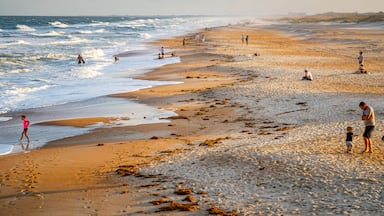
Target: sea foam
[58,24]
[39,67]
[49,34]
[25,28]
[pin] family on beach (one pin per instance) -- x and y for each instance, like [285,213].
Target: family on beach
[161,55]
[244,38]
[368,118]
[308,75]
[116,59]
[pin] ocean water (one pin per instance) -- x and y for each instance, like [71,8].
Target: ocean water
[38,67]
[38,56]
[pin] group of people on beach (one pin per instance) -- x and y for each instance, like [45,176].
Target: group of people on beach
[244,39]
[368,118]
[368,115]
[198,37]
[308,75]
[80,59]
[161,55]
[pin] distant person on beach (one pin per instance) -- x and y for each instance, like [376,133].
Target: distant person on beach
[184,41]
[246,40]
[162,52]
[349,139]
[25,129]
[203,38]
[360,58]
[80,59]
[307,75]
[242,39]
[361,63]
[116,59]
[369,121]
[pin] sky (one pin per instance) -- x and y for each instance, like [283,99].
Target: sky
[184,7]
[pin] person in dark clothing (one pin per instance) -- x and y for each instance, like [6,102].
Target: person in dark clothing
[349,139]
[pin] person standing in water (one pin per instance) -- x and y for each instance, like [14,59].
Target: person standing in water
[162,52]
[80,59]
[25,130]
[116,59]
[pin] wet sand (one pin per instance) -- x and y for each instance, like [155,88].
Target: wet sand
[250,137]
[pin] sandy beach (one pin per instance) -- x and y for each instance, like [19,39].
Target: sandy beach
[250,138]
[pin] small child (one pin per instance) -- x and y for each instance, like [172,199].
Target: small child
[25,130]
[349,139]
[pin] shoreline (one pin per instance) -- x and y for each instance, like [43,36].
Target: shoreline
[275,141]
[104,151]
[54,119]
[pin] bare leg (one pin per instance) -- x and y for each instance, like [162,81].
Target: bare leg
[349,149]
[366,141]
[370,145]
[26,147]
[26,135]
[21,137]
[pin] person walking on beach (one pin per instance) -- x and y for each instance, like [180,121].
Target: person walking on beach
[369,121]
[202,38]
[162,52]
[361,63]
[246,40]
[25,129]
[242,39]
[80,59]
[349,139]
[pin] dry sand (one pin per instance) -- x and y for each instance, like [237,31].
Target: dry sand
[251,137]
